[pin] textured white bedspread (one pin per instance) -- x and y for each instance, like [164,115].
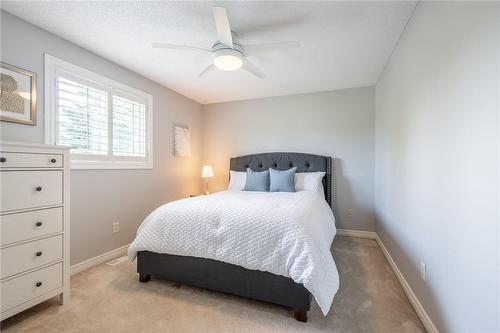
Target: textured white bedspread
[287,234]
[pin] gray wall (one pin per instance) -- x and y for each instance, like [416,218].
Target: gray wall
[101,197]
[338,124]
[437,161]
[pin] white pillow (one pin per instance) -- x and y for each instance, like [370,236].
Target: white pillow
[237,180]
[310,181]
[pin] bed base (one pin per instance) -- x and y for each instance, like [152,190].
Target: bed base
[227,278]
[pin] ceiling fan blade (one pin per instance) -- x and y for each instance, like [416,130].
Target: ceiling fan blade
[256,49]
[251,68]
[179,47]
[209,68]
[222,26]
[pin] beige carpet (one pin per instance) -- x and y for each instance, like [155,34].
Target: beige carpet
[110,299]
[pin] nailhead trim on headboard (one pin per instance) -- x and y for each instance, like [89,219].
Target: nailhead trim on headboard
[329,181]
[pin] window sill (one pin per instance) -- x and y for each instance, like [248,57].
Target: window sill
[94,165]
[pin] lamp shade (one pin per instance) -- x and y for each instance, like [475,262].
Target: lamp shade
[207,171]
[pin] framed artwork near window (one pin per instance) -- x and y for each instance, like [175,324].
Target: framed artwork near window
[17,95]
[182,141]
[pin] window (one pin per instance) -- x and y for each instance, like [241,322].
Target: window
[81,117]
[108,124]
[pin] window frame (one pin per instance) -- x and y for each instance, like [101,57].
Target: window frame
[53,68]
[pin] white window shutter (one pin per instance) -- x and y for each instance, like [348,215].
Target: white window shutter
[82,117]
[108,124]
[129,128]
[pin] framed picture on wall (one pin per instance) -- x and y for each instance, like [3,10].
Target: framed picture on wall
[182,141]
[17,95]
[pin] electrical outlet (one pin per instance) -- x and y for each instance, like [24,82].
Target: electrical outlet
[348,213]
[116,226]
[422,270]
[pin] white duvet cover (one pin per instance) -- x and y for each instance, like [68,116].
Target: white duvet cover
[287,234]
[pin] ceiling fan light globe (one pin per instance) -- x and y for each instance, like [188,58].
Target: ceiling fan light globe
[227,62]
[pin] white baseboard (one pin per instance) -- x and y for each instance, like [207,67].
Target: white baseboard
[356,233]
[422,314]
[100,259]
[419,309]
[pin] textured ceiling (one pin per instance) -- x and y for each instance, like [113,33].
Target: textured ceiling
[344,44]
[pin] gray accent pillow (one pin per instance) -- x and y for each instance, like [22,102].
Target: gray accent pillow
[282,181]
[257,181]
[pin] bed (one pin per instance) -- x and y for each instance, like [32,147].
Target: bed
[285,278]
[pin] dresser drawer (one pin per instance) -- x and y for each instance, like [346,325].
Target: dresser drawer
[29,286]
[19,258]
[26,189]
[27,160]
[23,226]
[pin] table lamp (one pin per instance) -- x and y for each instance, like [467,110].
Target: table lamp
[206,173]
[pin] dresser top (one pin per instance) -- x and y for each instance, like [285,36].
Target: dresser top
[10,145]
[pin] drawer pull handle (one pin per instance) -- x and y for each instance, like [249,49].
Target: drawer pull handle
[53,160]
[38,284]
[39,188]
[38,224]
[3,159]
[39,254]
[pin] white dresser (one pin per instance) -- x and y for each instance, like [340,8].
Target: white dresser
[34,205]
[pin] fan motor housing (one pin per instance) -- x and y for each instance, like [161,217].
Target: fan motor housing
[218,46]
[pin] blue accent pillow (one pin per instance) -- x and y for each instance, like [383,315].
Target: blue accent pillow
[282,181]
[257,181]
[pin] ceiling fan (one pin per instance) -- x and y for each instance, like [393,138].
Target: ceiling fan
[228,53]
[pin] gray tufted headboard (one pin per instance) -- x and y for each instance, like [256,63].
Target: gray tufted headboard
[284,161]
